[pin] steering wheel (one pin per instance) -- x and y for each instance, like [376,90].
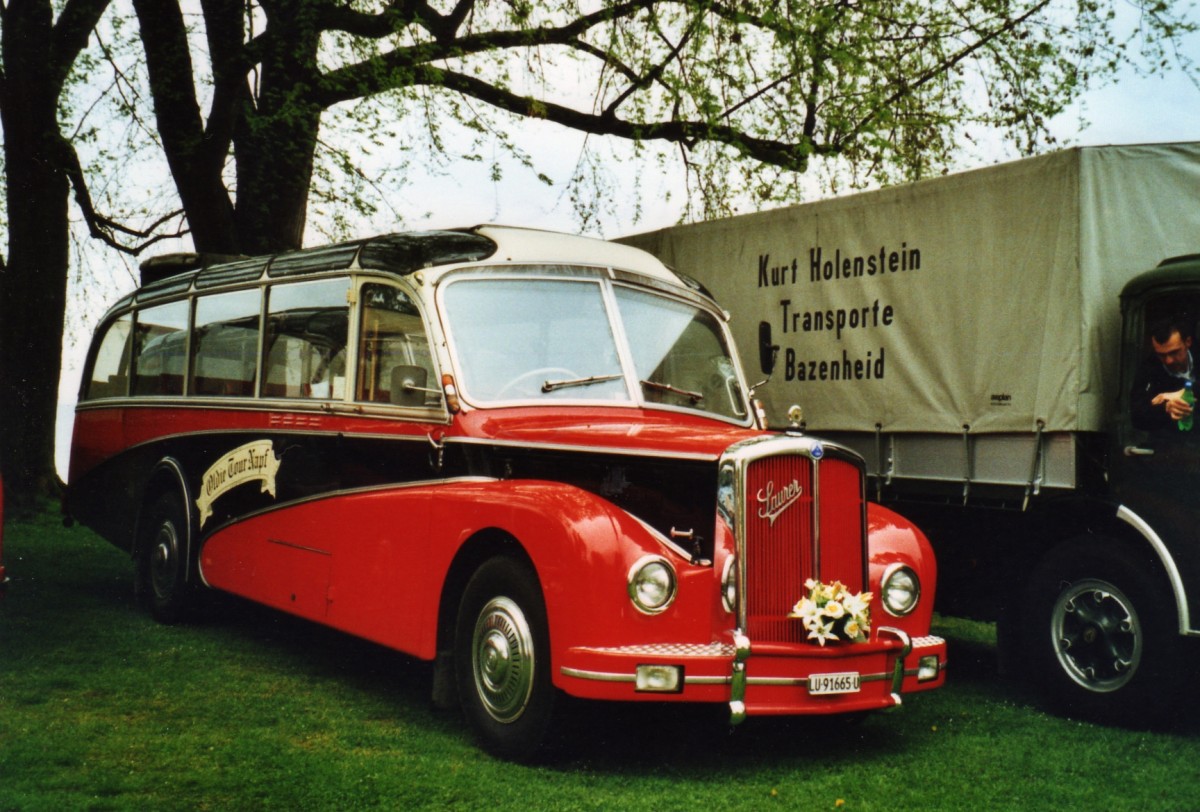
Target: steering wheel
[545,373]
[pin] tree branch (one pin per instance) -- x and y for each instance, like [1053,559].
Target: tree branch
[390,71]
[71,32]
[942,68]
[101,226]
[793,156]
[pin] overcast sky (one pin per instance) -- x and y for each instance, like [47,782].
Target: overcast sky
[1135,110]
[1140,110]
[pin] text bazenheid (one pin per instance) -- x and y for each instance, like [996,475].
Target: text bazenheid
[844,369]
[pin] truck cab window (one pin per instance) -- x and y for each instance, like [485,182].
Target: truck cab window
[1165,362]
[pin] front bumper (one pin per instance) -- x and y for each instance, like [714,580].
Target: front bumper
[759,679]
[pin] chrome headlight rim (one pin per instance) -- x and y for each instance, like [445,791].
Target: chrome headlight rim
[729,585]
[885,590]
[646,566]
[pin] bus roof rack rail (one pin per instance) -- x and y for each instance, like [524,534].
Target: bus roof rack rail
[163,266]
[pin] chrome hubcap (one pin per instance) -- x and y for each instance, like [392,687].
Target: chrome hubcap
[502,659]
[1097,635]
[163,560]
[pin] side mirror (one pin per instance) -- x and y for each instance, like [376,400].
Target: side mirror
[409,385]
[767,351]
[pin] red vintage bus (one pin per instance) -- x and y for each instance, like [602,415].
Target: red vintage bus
[529,458]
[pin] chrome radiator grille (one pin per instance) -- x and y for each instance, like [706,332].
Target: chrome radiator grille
[803,519]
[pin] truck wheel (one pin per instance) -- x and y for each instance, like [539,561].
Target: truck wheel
[1102,635]
[165,582]
[502,662]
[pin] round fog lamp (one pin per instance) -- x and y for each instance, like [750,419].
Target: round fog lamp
[901,590]
[652,585]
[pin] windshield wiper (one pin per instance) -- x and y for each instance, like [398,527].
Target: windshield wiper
[695,397]
[550,386]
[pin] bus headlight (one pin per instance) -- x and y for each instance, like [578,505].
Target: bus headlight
[901,590]
[652,584]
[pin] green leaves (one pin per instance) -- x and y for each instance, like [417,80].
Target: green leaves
[740,97]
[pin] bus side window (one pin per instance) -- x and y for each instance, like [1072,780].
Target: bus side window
[393,349]
[305,348]
[158,349]
[225,343]
[110,367]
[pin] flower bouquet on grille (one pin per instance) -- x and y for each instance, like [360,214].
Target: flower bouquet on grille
[832,612]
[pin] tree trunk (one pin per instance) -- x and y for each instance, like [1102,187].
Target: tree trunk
[33,285]
[275,147]
[196,155]
[38,53]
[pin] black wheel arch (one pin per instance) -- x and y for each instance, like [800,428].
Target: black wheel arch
[167,476]
[1081,517]
[481,547]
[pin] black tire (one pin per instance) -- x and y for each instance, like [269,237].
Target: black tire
[502,661]
[1102,635]
[165,572]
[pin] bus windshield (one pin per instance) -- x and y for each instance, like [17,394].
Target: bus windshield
[573,339]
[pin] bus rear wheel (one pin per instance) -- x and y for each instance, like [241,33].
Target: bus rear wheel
[502,660]
[165,581]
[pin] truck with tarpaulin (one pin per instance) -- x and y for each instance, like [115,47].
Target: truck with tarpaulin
[976,337]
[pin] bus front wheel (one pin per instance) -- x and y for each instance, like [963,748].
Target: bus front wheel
[502,660]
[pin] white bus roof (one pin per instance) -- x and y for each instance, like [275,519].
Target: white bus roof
[532,245]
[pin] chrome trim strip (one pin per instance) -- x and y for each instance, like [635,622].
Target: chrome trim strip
[1164,555]
[389,486]
[590,449]
[816,517]
[785,682]
[301,406]
[259,431]
[301,547]
[666,650]
[598,676]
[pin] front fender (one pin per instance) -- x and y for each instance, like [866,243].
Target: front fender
[582,548]
[892,539]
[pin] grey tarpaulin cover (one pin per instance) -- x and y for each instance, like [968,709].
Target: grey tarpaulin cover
[986,299]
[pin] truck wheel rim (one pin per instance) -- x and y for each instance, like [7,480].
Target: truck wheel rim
[1097,635]
[502,659]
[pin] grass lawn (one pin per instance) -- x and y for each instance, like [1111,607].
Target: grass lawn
[101,708]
